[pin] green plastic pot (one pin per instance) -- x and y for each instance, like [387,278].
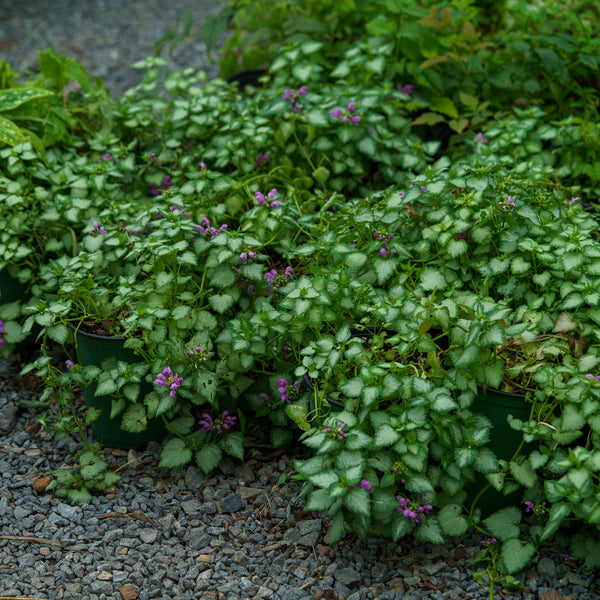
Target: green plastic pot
[504,441]
[93,349]
[11,289]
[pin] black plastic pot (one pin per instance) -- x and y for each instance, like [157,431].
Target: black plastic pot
[250,77]
[93,349]
[504,441]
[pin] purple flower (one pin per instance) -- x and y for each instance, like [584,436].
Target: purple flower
[206,229]
[1,331]
[530,506]
[479,138]
[167,379]
[365,485]
[263,158]
[336,113]
[407,89]
[292,96]
[69,364]
[286,389]
[271,199]
[98,229]
[565,557]
[220,424]
[337,432]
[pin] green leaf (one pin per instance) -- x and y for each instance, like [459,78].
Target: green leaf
[93,469]
[357,501]
[432,279]
[516,554]
[523,473]
[316,117]
[558,512]
[135,419]
[106,387]
[234,444]
[321,174]
[13,97]
[401,525]
[384,269]
[174,454]
[208,458]
[429,531]
[452,521]
[221,302]
[79,496]
[457,247]
[10,134]
[385,436]
[503,524]
[356,260]
[367,146]
[319,500]
[59,333]
[324,479]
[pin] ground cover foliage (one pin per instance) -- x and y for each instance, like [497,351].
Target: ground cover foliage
[399,213]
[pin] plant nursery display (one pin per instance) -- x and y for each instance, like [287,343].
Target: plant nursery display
[385,248]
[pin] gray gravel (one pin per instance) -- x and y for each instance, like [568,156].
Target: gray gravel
[106,36]
[178,534]
[235,535]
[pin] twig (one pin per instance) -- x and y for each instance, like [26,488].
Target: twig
[28,538]
[20,598]
[136,515]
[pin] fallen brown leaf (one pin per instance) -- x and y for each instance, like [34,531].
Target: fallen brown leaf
[40,484]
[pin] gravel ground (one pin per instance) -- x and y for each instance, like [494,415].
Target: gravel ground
[236,535]
[106,36]
[177,534]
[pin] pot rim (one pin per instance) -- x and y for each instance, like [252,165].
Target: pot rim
[79,331]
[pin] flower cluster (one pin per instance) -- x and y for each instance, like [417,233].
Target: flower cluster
[286,349]
[489,542]
[271,200]
[364,484]
[206,229]
[244,256]
[412,509]
[105,158]
[292,96]
[183,213]
[399,468]
[165,185]
[287,389]
[346,116]
[1,331]
[538,510]
[274,279]
[262,159]
[266,399]
[592,378]
[337,432]
[98,229]
[198,357]
[406,89]
[480,139]
[202,168]
[571,202]
[167,379]
[508,204]
[384,237]
[220,424]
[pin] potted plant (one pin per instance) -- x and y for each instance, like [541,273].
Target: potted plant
[164,285]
